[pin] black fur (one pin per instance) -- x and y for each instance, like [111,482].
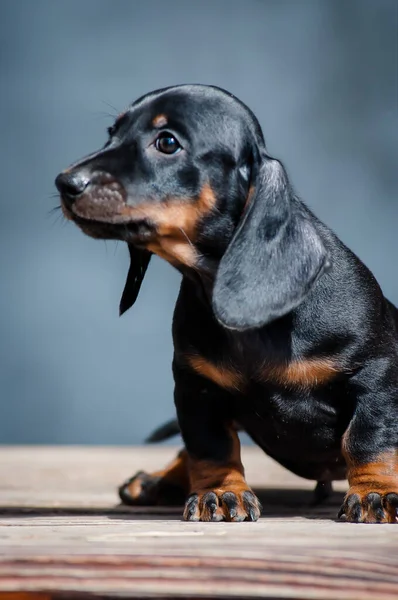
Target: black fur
[277,239]
[271,286]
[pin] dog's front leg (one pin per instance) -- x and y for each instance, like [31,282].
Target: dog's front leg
[370,446]
[218,489]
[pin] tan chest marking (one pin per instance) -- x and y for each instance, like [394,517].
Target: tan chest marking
[307,373]
[297,374]
[223,376]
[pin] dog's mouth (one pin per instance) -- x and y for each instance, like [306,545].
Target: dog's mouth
[137,232]
[101,211]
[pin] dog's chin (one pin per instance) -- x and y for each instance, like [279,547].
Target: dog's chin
[105,225]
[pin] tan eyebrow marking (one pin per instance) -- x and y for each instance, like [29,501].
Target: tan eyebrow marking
[159,121]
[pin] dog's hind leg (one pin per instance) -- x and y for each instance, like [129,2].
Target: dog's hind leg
[168,487]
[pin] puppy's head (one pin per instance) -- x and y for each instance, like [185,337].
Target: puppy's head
[184,174]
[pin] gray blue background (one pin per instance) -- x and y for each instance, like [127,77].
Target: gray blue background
[320,75]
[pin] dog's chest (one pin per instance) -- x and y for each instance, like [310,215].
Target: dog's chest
[286,402]
[237,366]
[270,357]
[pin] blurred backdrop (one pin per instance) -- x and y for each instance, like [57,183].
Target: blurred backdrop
[320,75]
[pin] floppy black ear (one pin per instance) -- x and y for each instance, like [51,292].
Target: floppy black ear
[274,258]
[139,261]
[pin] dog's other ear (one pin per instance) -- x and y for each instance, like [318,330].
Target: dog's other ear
[139,261]
[274,258]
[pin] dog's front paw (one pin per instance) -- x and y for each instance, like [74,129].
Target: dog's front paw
[368,504]
[222,505]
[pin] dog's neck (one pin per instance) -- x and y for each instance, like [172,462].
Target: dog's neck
[210,250]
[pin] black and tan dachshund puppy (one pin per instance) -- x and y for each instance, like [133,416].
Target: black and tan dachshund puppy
[279,329]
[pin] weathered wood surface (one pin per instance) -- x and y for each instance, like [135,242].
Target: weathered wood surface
[62,531]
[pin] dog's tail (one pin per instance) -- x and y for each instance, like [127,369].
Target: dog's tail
[164,432]
[170,429]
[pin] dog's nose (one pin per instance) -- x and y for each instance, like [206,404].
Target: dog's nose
[71,185]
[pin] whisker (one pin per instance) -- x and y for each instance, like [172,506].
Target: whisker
[189,241]
[103,115]
[59,217]
[182,231]
[53,210]
[55,214]
[112,107]
[199,254]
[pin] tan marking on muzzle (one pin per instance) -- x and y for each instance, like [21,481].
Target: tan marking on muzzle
[176,222]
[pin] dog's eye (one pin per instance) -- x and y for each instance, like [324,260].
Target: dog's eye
[167,143]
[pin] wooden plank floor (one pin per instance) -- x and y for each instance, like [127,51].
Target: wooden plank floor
[63,532]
